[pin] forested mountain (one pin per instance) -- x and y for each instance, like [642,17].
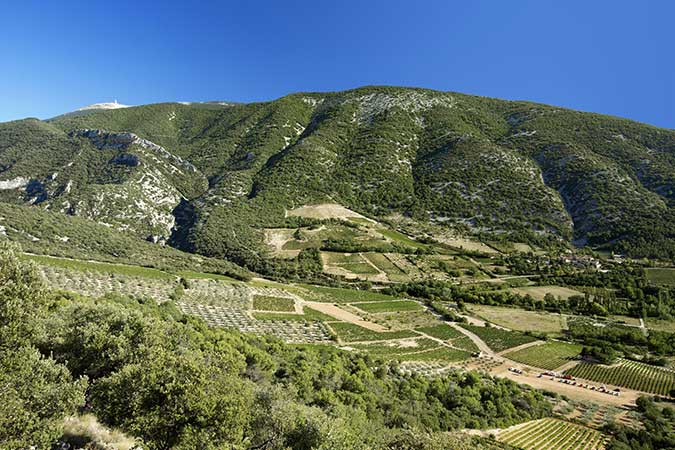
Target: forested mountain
[208,177]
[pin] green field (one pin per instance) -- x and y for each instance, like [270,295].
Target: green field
[394,306]
[661,276]
[442,354]
[628,374]
[267,303]
[353,333]
[340,295]
[400,238]
[553,434]
[550,355]
[497,339]
[83,266]
[442,331]
[661,325]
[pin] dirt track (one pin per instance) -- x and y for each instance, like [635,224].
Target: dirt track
[627,397]
[341,314]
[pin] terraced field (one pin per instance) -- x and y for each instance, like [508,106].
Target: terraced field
[628,374]
[394,273]
[497,339]
[553,434]
[549,356]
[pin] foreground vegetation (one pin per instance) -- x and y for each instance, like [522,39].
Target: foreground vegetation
[171,382]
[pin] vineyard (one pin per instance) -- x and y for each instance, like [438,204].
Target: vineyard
[553,434]
[451,336]
[550,355]
[266,303]
[497,339]
[628,374]
[353,333]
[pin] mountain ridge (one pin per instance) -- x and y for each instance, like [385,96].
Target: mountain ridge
[480,166]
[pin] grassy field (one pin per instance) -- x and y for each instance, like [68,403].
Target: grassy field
[538,292]
[553,434]
[400,238]
[353,333]
[352,262]
[661,276]
[628,374]
[267,303]
[83,266]
[661,325]
[497,339]
[520,319]
[625,320]
[394,306]
[550,355]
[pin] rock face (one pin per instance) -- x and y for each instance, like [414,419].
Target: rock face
[16,183]
[107,140]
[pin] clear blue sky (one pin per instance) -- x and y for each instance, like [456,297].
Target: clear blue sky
[614,57]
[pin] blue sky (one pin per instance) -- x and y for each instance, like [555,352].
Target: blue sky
[614,57]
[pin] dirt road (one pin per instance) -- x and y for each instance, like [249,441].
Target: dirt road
[341,314]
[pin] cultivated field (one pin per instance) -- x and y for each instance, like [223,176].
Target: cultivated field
[550,355]
[497,339]
[451,336]
[520,319]
[553,434]
[383,263]
[340,295]
[348,332]
[267,303]
[661,276]
[628,374]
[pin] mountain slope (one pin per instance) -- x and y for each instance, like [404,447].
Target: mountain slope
[514,170]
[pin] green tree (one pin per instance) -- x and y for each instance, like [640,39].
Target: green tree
[36,392]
